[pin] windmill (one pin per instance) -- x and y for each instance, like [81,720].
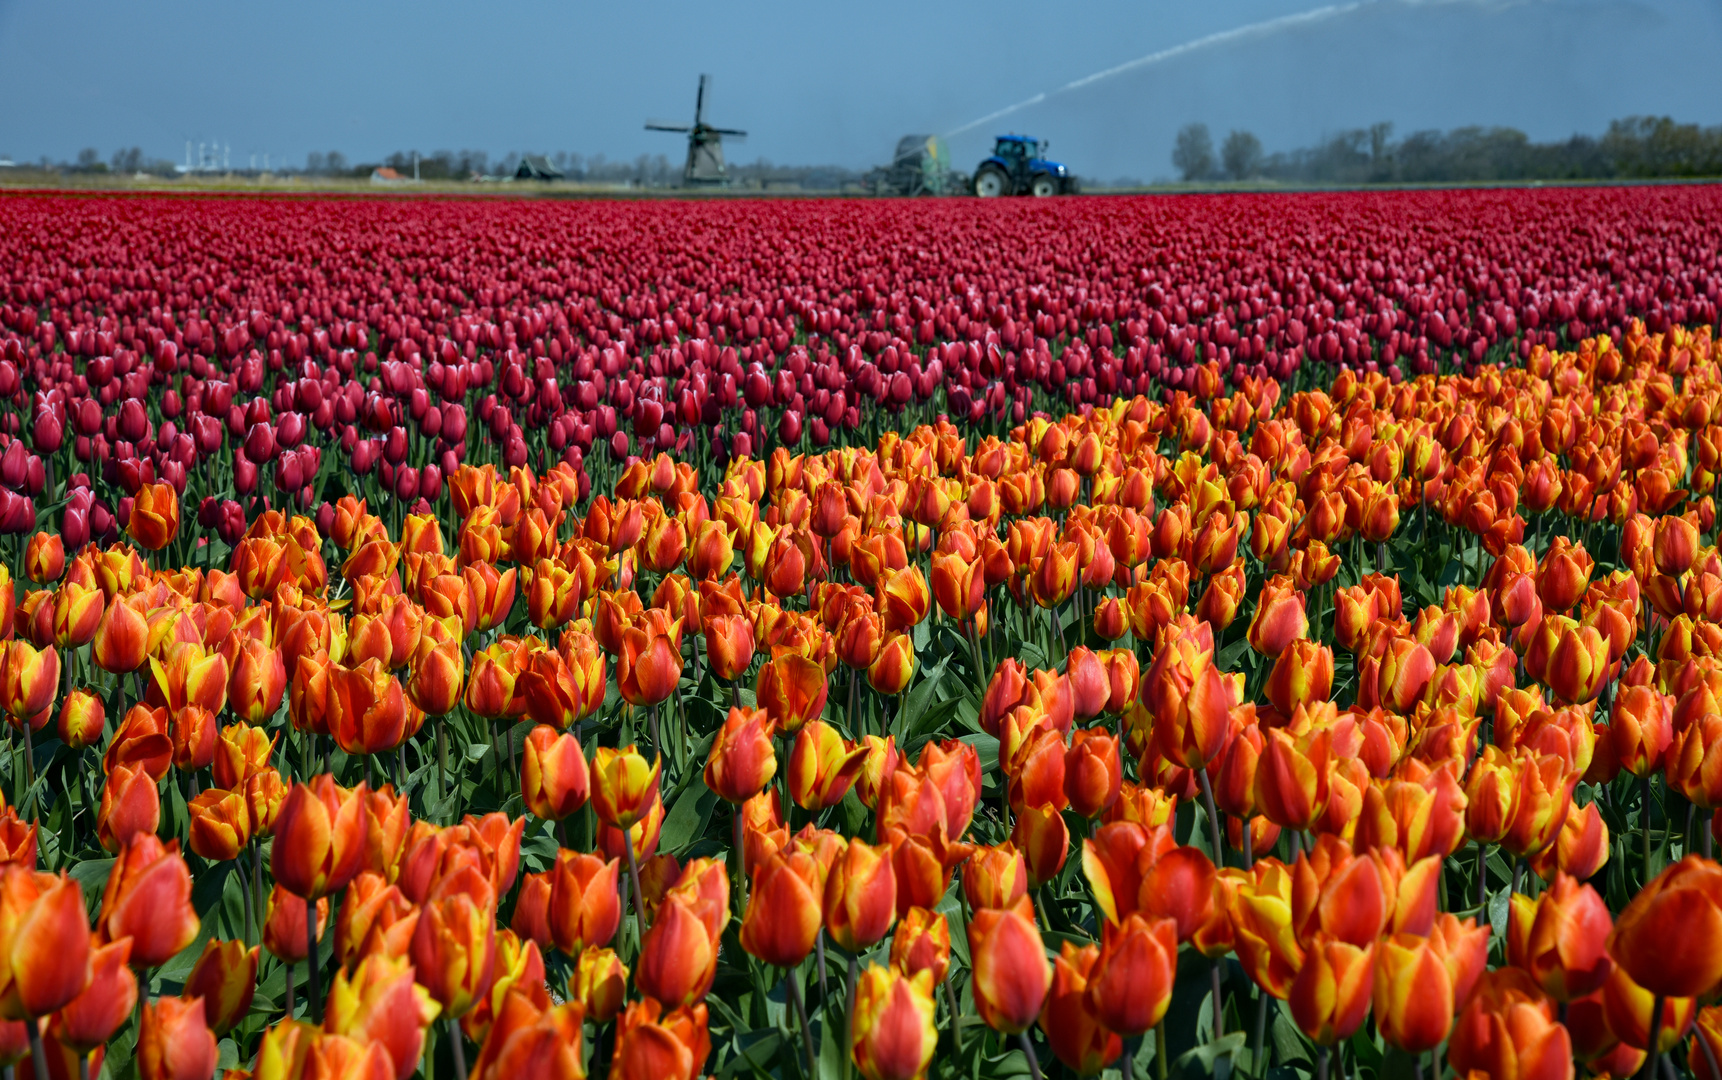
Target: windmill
[705,143]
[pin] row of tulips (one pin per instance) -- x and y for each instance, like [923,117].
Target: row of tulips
[263,369]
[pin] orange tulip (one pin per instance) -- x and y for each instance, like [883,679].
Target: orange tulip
[148,899]
[599,984]
[1072,1027]
[1509,1029]
[652,1044]
[368,711]
[78,611]
[257,682]
[436,679]
[729,645]
[742,760]
[374,919]
[678,956]
[649,664]
[1560,938]
[225,977]
[29,680]
[490,690]
[783,909]
[1302,675]
[791,689]
[894,666]
[155,516]
[285,933]
[1279,618]
[554,780]
[45,948]
[454,943]
[92,1018]
[1010,973]
[1332,992]
[1669,938]
[1130,985]
[624,785]
[130,806]
[584,908]
[378,1003]
[893,1036]
[220,824]
[1413,993]
[860,900]
[319,838]
[175,1042]
[822,766]
[1292,778]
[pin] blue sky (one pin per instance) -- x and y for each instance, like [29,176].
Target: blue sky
[832,84]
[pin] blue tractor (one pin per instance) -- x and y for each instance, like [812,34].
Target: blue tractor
[1017,168]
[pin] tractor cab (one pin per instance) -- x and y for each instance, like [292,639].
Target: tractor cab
[1016,167]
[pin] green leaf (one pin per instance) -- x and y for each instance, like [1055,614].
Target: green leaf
[92,874]
[916,703]
[688,818]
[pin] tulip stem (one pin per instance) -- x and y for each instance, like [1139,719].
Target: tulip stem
[1709,1057]
[1213,816]
[1482,883]
[819,950]
[1654,1054]
[30,784]
[441,758]
[1258,1065]
[456,1050]
[1219,1000]
[39,1056]
[794,982]
[1028,1052]
[1160,1050]
[849,1025]
[740,862]
[639,897]
[1321,1064]
[289,997]
[1643,819]
[245,887]
[312,1005]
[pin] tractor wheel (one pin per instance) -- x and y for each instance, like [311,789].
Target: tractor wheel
[991,182]
[1043,186]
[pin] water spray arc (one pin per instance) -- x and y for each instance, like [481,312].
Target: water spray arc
[1253,31]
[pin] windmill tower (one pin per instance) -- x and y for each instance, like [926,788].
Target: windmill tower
[705,143]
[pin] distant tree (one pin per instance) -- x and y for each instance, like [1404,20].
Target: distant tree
[90,161]
[1242,155]
[1193,153]
[336,162]
[128,161]
[314,162]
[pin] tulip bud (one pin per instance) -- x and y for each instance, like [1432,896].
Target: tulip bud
[225,977]
[44,940]
[175,1042]
[742,760]
[893,1036]
[1011,973]
[624,785]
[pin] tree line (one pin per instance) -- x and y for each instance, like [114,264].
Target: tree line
[1637,147]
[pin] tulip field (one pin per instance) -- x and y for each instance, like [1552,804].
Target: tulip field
[1241,636]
